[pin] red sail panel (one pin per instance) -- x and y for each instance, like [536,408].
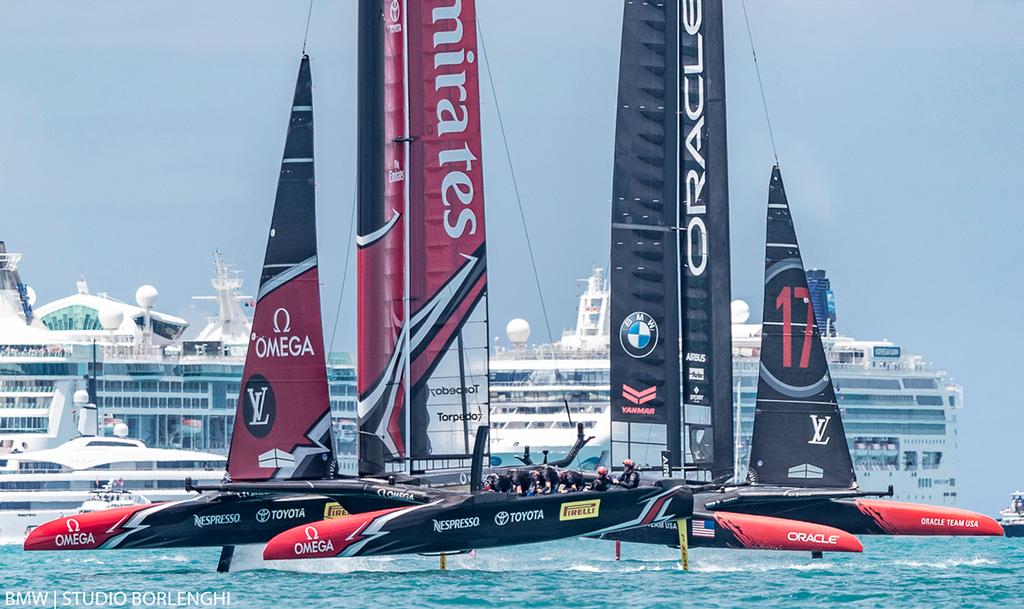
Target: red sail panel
[381,245]
[447,261]
[283,418]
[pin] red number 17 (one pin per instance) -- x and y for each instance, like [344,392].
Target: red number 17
[785,302]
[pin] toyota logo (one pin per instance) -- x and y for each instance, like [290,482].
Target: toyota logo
[501,518]
[73,526]
[263,515]
[312,534]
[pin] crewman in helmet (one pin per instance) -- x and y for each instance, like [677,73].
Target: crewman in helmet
[602,482]
[630,477]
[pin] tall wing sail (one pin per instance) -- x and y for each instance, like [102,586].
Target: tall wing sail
[446,237]
[704,293]
[798,436]
[381,241]
[283,418]
[423,380]
[644,348]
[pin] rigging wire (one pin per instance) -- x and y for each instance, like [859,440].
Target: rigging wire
[309,16]
[760,83]
[519,203]
[344,274]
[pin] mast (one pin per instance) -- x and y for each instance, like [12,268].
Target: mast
[283,418]
[798,432]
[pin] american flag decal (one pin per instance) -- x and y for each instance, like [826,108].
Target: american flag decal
[704,528]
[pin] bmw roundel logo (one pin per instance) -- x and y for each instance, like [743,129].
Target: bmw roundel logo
[638,334]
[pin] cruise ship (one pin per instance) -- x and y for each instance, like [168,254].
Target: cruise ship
[900,413]
[164,403]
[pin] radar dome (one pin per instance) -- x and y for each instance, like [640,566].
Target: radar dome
[111,318]
[120,430]
[518,331]
[30,295]
[146,296]
[740,312]
[81,397]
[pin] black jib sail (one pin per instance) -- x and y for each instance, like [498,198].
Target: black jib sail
[798,436]
[670,243]
[283,420]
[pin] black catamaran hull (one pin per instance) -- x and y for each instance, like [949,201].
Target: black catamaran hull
[455,523]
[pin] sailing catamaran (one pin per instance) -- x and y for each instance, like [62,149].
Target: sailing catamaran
[800,465]
[422,344]
[670,278]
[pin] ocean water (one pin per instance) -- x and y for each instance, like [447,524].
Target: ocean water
[570,574]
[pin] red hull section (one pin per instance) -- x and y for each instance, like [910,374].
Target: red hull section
[82,531]
[326,538]
[768,533]
[898,518]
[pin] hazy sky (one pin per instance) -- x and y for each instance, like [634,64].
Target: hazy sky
[135,138]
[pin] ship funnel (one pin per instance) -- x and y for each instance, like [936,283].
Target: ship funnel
[86,413]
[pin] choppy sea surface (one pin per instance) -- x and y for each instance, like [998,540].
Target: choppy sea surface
[570,574]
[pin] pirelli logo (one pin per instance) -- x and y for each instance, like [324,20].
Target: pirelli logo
[333,509]
[578,510]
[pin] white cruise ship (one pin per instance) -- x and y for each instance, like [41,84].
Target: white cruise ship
[900,414]
[171,399]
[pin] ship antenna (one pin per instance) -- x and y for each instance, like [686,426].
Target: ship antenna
[760,83]
[309,16]
[519,203]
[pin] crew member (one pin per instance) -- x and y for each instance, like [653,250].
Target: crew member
[602,482]
[630,477]
[520,481]
[551,479]
[571,481]
[490,483]
[503,483]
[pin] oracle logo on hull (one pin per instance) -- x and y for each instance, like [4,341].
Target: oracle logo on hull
[693,182]
[813,538]
[453,118]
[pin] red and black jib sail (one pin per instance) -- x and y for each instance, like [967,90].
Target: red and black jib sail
[671,367]
[798,437]
[423,386]
[283,418]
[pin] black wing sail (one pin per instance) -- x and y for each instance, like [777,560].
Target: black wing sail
[644,350]
[798,436]
[704,256]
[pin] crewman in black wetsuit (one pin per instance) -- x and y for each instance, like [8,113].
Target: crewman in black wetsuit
[603,482]
[571,481]
[521,481]
[490,483]
[551,479]
[503,483]
[630,477]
